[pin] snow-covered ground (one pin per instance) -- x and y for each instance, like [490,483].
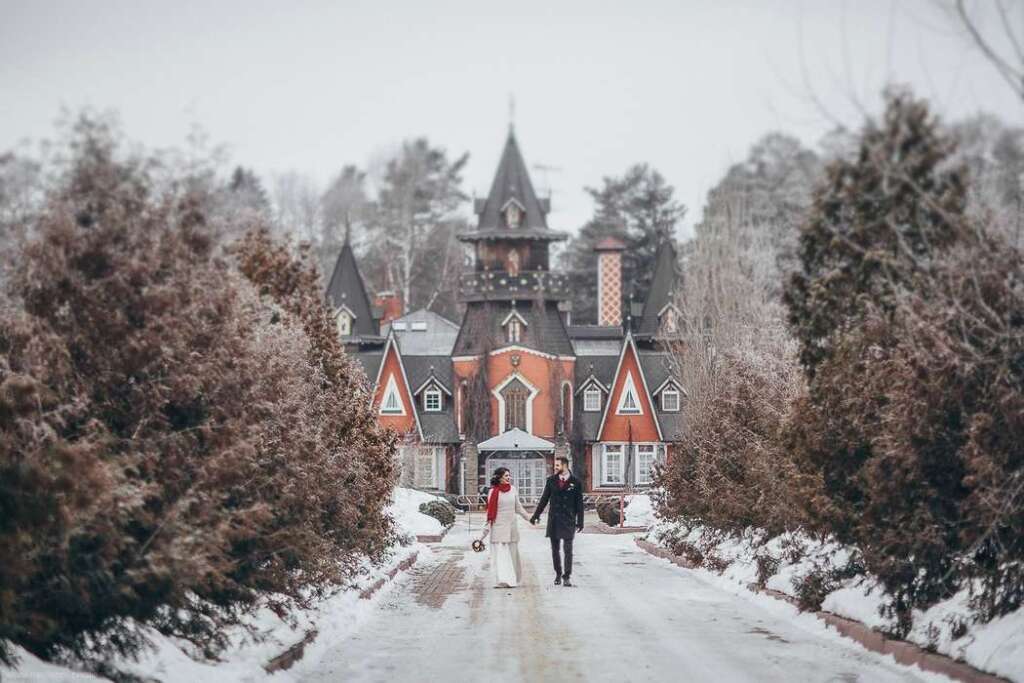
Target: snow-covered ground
[333,618]
[996,647]
[631,616]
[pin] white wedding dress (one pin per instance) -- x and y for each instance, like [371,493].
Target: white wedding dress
[504,534]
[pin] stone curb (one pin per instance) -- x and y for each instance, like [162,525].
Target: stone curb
[433,538]
[902,651]
[294,652]
[602,528]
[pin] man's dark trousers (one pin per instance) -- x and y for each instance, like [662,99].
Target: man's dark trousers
[556,558]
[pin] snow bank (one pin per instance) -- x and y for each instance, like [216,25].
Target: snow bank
[996,647]
[31,669]
[405,509]
[639,511]
[170,659]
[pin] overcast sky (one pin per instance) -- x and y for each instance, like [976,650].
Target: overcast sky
[309,86]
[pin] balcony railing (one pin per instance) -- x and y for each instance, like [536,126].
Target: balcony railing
[498,284]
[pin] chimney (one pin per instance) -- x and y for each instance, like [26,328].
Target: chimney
[609,281]
[390,305]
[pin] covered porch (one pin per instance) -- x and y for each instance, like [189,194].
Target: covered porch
[528,458]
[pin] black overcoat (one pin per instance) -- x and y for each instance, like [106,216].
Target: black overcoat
[566,507]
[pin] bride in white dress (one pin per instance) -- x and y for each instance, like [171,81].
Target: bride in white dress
[502,507]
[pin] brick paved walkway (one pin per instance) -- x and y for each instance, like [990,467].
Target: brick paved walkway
[432,585]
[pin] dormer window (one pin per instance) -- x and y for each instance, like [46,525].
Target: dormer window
[513,214]
[432,400]
[669,320]
[591,399]
[514,331]
[344,320]
[514,325]
[670,400]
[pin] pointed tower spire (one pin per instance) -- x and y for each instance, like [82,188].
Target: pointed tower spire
[347,291]
[512,208]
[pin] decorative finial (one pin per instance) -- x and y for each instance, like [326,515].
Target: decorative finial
[511,113]
[348,227]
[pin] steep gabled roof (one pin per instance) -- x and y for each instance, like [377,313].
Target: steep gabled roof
[628,346]
[346,288]
[392,346]
[663,289]
[512,185]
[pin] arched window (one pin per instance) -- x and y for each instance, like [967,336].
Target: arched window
[514,395]
[463,406]
[344,324]
[513,263]
[566,407]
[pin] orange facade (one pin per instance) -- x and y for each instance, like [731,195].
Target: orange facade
[635,428]
[391,368]
[542,373]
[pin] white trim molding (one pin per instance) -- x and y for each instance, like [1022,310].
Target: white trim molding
[501,401]
[391,391]
[629,391]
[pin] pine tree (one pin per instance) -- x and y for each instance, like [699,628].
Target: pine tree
[875,222]
[638,208]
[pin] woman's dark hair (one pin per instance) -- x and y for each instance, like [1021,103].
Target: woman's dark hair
[498,474]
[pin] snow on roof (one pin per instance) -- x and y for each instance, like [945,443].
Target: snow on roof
[516,440]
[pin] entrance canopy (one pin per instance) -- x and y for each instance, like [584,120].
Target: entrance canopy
[516,440]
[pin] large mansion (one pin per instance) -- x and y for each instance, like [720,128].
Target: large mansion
[517,383]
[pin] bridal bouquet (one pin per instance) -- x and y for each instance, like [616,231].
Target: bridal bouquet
[478,544]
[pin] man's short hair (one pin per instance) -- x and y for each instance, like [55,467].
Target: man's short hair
[562,459]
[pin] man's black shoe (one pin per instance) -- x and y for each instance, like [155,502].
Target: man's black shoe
[567,583]
[558,580]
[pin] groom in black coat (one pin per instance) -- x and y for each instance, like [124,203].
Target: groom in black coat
[565,518]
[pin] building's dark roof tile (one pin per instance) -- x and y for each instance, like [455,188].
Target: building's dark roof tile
[544,331]
[419,369]
[370,360]
[346,288]
[439,427]
[595,332]
[663,288]
[601,368]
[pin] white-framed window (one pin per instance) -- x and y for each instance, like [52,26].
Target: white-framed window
[430,467]
[391,404]
[514,331]
[670,400]
[629,402]
[432,400]
[419,326]
[513,215]
[646,456]
[397,326]
[514,325]
[612,465]
[591,399]
[344,324]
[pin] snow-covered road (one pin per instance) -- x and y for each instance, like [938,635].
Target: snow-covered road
[631,617]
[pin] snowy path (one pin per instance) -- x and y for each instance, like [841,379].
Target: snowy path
[631,617]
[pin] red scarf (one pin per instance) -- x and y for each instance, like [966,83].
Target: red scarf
[492,502]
